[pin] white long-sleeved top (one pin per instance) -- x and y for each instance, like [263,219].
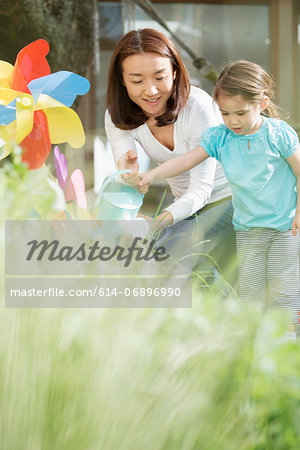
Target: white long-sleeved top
[206,182]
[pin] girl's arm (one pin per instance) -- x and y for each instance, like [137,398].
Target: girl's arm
[294,162]
[175,166]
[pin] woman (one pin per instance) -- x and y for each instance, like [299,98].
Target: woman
[150,100]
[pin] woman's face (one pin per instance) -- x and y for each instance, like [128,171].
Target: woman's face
[148,79]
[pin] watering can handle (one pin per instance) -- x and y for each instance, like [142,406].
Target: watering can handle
[111,177]
[107,180]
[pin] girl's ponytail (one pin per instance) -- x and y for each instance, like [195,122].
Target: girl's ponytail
[271,110]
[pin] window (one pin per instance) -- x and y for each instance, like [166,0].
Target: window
[219,32]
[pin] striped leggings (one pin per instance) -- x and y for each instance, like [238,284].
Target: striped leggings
[269,269]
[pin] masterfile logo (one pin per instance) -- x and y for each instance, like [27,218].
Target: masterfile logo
[90,264]
[139,250]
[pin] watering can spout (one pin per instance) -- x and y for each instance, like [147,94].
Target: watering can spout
[116,200]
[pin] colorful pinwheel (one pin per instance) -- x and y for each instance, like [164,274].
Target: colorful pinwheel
[35,105]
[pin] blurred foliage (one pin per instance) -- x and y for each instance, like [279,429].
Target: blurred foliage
[66,24]
[25,193]
[218,376]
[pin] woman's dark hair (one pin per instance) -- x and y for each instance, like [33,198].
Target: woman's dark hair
[125,114]
[249,80]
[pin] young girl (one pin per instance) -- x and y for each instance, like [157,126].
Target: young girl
[260,155]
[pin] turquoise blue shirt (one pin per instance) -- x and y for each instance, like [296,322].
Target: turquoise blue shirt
[263,184]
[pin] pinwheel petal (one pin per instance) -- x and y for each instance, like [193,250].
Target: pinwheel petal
[24,116]
[31,63]
[63,86]
[61,167]
[5,150]
[8,105]
[76,189]
[7,114]
[8,95]
[6,137]
[6,70]
[64,124]
[37,144]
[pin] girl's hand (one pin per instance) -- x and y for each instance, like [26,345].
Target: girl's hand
[142,186]
[145,179]
[129,161]
[296,224]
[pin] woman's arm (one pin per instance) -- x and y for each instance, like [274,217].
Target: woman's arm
[294,162]
[174,166]
[124,150]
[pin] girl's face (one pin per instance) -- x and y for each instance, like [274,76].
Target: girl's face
[148,79]
[239,115]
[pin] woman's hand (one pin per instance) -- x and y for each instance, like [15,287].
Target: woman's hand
[128,161]
[143,216]
[163,220]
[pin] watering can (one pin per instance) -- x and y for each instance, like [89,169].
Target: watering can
[117,201]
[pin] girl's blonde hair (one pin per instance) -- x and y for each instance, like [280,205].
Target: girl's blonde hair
[249,80]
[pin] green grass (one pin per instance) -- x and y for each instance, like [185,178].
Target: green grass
[214,377]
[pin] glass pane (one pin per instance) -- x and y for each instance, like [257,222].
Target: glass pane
[111,30]
[298,86]
[220,33]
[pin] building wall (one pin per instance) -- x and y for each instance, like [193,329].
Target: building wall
[263,31]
